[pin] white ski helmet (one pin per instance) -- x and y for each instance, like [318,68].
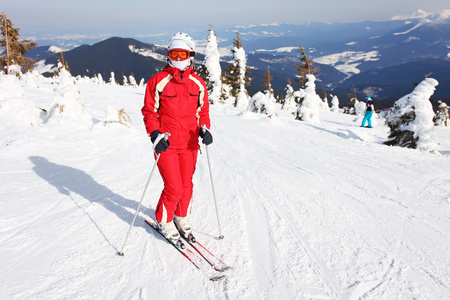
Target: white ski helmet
[182,38]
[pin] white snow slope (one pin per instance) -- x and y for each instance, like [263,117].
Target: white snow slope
[321,211]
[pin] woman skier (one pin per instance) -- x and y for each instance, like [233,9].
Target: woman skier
[370,108]
[176,103]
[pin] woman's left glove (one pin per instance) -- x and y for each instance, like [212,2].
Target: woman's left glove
[206,136]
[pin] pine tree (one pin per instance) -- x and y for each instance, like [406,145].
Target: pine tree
[14,48]
[267,79]
[304,68]
[237,74]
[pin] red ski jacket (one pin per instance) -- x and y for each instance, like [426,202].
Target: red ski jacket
[176,102]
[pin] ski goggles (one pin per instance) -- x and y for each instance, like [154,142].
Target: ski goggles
[179,54]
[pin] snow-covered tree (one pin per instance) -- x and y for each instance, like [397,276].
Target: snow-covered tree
[132,81]
[100,80]
[264,102]
[289,99]
[441,117]
[310,103]
[335,104]
[112,80]
[124,80]
[236,76]
[212,65]
[411,119]
[325,105]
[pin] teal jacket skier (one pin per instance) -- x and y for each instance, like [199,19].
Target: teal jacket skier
[369,112]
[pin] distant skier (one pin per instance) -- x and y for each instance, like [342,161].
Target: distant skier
[176,102]
[370,108]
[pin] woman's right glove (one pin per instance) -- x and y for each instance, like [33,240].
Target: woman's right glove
[160,142]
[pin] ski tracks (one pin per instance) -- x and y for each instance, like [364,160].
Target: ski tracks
[276,249]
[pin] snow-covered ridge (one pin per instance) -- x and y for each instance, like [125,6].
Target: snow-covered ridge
[418,25]
[147,53]
[278,50]
[421,14]
[262,25]
[347,61]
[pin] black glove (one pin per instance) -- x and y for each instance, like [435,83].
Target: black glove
[160,144]
[206,136]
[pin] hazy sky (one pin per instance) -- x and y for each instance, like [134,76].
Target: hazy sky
[41,15]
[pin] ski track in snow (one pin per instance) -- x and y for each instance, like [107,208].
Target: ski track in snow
[308,211]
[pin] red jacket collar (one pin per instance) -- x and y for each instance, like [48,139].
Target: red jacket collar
[177,73]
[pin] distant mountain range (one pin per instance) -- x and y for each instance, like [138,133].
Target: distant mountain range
[381,58]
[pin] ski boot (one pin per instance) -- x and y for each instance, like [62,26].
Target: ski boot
[185,228]
[170,232]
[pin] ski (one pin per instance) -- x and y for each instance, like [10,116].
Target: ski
[187,253]
[207,255]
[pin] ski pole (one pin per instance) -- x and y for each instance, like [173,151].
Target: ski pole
[212,186]
[120,253]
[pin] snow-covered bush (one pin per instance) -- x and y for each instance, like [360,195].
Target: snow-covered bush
[15,110]
[262,103]
[66,104]
[411,119]
[15,70]
[32,78]
[360,107]
[114,116]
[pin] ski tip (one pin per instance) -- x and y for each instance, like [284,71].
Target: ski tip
[218,278]
[120,253]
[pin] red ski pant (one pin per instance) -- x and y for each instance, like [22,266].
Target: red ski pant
[176,169]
